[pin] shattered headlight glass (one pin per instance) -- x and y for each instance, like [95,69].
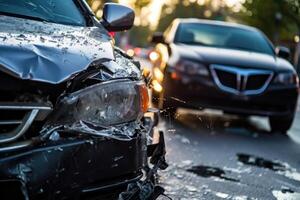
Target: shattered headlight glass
[105,104]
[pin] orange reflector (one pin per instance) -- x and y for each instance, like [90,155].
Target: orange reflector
[145,102]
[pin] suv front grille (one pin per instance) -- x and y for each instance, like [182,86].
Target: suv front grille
[15,119]
[241,81]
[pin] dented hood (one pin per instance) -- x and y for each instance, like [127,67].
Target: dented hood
[48,52]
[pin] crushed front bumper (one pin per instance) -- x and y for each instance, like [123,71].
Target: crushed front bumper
[72,167]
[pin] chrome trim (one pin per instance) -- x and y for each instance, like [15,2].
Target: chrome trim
[21,125]
[124,182]
[21,107]
[10,122]
[242,76]
[16,146]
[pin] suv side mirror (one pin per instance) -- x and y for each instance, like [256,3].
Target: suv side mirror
[283,52]
[158,38]
[117,17]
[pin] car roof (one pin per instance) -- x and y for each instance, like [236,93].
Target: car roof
[215,22]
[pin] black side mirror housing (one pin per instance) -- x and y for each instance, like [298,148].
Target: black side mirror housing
[157,38]
[283,52]
[117,17]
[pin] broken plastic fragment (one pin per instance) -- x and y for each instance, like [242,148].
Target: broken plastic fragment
[54,136]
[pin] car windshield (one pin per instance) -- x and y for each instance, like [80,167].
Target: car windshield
[56,11]
[223,37]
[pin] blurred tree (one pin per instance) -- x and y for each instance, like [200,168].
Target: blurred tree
[139,4]
[179,10]
[97,6]
[207,9]
[279,19]
[293,10]
[140,32]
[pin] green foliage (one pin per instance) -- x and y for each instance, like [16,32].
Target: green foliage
[179,11]
[191,10]
[262,14]
[139,36]
[293,10]
[102,2]
[258,13]
[141,3]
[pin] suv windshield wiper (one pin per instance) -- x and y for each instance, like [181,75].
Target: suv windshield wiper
[24,16]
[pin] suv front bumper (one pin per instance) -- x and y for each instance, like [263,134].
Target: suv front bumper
[199,93]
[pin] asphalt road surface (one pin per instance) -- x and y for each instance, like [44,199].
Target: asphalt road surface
[215,156]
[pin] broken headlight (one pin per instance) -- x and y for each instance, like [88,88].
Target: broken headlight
[104,104]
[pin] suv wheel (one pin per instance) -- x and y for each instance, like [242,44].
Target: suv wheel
[281,124]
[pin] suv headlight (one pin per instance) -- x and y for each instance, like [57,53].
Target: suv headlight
[192,68]
[287,78]
[105,104]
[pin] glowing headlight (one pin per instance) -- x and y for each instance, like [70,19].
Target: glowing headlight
[287,78]
[104,104]
[192,68]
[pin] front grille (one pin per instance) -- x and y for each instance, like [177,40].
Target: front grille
[16,119]
[226,78]
[241,81]
[255,82]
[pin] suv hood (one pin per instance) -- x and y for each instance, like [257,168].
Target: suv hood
[247,59]
[49,52]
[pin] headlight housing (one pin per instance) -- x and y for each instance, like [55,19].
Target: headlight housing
[105,104]
[192,68]
[287,78]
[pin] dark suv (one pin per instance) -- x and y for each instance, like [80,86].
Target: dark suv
[72,105]
[225,66]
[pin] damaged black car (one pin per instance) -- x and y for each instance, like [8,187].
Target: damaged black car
[72,106]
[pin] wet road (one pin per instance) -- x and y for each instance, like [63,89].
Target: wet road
[213,156]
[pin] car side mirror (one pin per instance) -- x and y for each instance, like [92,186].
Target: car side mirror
[158,38]
[117,17]
[283,52]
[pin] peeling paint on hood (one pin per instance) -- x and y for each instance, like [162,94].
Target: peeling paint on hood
[48,52]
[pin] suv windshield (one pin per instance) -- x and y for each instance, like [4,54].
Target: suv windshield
[56,11]
[223,37]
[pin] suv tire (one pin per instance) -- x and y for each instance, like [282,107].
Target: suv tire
[281,124]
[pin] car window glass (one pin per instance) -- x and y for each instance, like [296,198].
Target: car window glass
[57,11]
[224,37]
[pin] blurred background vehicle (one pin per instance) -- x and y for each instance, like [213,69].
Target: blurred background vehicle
[225,66]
